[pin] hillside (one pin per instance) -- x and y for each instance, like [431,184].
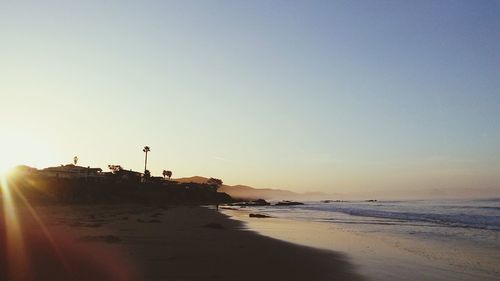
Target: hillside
[247,192]
[111,191]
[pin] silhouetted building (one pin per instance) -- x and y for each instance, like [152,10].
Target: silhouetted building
[71,171]
[124,176]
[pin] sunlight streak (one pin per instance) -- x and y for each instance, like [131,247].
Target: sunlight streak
[15,248]
[44,228]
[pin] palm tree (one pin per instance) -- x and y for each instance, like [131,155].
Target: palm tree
[147,175]
[146,150]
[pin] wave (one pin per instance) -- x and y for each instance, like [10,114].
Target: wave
[465,218]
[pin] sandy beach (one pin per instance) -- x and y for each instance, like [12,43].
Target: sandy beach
[136,242]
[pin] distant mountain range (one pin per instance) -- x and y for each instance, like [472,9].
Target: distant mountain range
[247,192]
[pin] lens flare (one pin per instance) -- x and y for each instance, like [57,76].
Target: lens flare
[32,251]
[15,249]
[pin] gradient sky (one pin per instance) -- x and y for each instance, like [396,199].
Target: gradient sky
[333,96]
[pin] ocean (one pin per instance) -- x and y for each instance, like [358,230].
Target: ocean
[446,239]
[478,220]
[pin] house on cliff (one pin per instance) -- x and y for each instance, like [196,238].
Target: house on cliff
[71,171]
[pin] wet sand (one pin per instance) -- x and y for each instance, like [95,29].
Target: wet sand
[381,256]
[130,242]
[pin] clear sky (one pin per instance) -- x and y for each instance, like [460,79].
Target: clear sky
[334,96]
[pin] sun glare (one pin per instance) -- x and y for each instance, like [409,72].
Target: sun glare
[15,247]
[5,169]
[23,148]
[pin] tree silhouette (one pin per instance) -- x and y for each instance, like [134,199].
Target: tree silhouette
[115,168]
[146,150]
[75,160]
[167,173]
[214,183]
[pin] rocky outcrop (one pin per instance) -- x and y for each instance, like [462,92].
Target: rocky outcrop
[288,203]
[258,216]
[258,202]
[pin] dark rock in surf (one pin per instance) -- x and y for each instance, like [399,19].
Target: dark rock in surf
[258,216]
[288,203]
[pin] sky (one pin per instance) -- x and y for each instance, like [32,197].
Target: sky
[330,96]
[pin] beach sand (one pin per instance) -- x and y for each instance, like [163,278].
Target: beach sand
[134,242]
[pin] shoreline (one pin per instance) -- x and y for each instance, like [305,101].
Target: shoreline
[183,243]
[378,255]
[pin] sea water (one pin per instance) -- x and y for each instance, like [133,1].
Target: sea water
[476,220]
[439,240]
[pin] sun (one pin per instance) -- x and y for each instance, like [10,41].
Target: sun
[24,148]
[6,165]
[5,168]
